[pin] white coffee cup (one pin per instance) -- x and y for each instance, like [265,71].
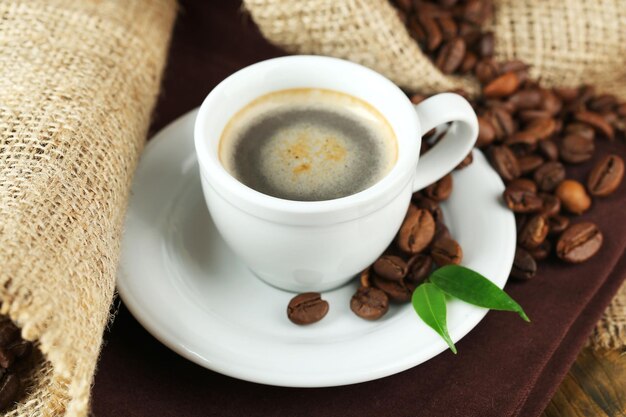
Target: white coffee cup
[315,246]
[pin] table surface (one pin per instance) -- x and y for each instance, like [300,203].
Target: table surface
[594,386]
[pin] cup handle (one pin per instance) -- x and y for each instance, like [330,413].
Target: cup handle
[454,147]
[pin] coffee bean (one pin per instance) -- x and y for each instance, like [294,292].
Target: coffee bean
[469,62]
[434,36]
[596,121]
[579,242]
[525,100]
[420,266]
[477,11]
[550,102]
[391,267]
[524,265]
[10,388]
[307,308]
[449,28]
[446,251]
[431,205]
[567,94]
[486,132]
[573,196]
[369,303]
[6,357]
[549,175]
[603,103]
[486,45]
[486,70]
[537,130]
[529,116]
[503,86]
[8,332]
[505,163]
[522,201]
[523,184]
[364,277]
[416,232]
[606,176]
[514,65]
[404,5]
[396,291]
[529,163]
[542,251]
[520,222]
[502,122]
[451,55]
[557,224]
[575,149]
[548,149]
[440,190]
[581,129]
[534,232]
[418,98]
[551,204]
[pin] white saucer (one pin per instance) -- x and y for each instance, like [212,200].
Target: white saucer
[185,286]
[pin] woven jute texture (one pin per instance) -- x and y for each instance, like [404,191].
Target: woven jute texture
[568,44]
[78,80]
[581,42]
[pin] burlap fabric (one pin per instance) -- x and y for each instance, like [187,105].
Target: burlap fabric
[581,42]
[567,44]
[77,83]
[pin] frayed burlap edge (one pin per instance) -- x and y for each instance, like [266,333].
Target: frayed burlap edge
[610,332]
[78,81]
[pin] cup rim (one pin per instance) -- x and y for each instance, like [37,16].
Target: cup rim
[263,205]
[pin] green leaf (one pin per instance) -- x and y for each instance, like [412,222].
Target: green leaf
[473,288]
[430,304]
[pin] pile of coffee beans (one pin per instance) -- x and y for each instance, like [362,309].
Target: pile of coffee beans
[422,244]
[450,33]
[14,355]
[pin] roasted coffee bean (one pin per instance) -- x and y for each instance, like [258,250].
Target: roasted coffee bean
[6,357]
[471,33]
[551,204]
[307,308]
[396,291]
[548,149]
[420,266]
[603,103]
[573,196]
[404,5]
[441,230]
[575,149]
[486,70]
[446,251]
[369,303]
[477,11]
[549,175]
[433,33]
[431,205]
[503,86]
[451,55]
[579,242]
[9,333]
[529,116]
[606,176]
[520,222]
[449,28]
[557,224]
[391,267]
[467,161]
[523,184]
[418,98]
[534,232]
[550,102]
[529,163]
[522,201]
[524,265]
[581,129]
[542,251]
[505,162]
[486,132]
[469,62]
[441,189]
[502,121]
[596,121]
[525,100]
[486,45]
[567,94]
[416,232]
[10,388]
[364,277]
[537,130]
[514,65]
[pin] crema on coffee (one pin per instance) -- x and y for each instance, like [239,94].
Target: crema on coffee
[308,145]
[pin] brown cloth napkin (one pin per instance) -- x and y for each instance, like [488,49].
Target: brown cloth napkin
[505,367]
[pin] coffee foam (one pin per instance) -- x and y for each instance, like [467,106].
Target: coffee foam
[308,144]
